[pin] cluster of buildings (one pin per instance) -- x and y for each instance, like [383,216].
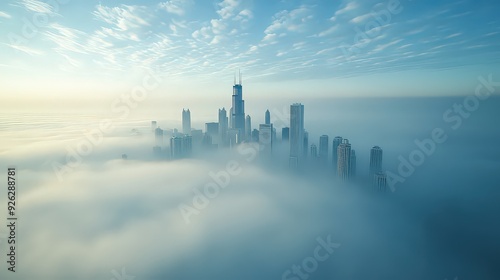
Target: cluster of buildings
[235,127]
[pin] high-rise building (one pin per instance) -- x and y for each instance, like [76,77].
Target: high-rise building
[375,160]
[274,135]
[186,121]
[238,110]
[266,139]
[344,160]
[223,127]
[159,137]
[285,134]
[314,151]
[248,128]
[255,135]
[352,164]
[197,137]
[336,142]
[232,136]
[296,134]
[176,147]
[231,118]
[212,129]
[268,117]
[380,181]
[187,145]
[153,125]
[305,149]
[323,149]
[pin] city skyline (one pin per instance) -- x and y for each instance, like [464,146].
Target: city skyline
[219,136]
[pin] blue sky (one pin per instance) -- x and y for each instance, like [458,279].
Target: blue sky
[314,47]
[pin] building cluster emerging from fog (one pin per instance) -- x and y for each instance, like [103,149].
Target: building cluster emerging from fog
[235,128]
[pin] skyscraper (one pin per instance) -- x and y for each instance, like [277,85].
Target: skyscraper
[212,129]
[352,165]
[285,134]
[305,149]
[238,110]
[314,151]
[176,147]
[266,139]
[187,145]
[255,135]
[159,137]
[248,128]
[186,121]
[380,181]
[375,160]
[296,134]
[153,125]
[223,126]
[336,142]
[323,149]
[344,160]
[268,117]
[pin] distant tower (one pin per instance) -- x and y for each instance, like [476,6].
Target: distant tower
[375,160]
[344,160]
[186,121]
[223,127]
[255,135]
[285,134]
[212,129]
[380,181]
[159,137]
[266,139]
[248,128]
[323,149]
[187,145]
[296,134]
[352,165]
[268,117]
[314,151]
[305,149]
[231,118]
[153,125]
[238,110]
[336,142]
[176,147]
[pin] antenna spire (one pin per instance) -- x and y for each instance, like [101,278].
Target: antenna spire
[239,71]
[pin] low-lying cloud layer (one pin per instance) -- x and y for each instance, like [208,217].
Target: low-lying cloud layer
[110,216]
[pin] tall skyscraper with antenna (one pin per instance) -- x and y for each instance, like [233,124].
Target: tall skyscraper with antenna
[238,110]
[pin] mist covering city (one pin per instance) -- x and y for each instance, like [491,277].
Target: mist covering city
[149,168]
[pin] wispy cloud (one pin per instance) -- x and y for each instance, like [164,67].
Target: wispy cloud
[329,31]
[25,49]
[177,7]
[361,18]
[123,17]
[5,15]
[349,6]
[38,6]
